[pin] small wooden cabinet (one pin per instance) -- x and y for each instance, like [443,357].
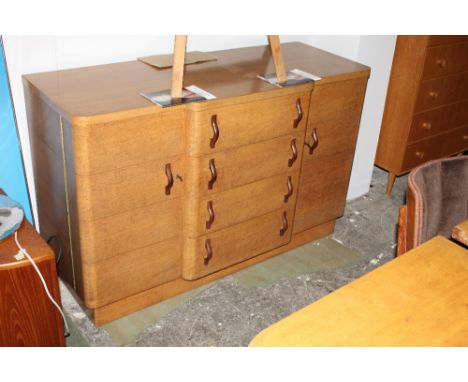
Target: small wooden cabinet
[426,111]
[151,202]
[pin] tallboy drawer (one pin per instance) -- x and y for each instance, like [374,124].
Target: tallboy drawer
[213,130]
[223,209]
[446,59]
[126,142]
[213,252]
[233,168]
[441,91]
[436,121]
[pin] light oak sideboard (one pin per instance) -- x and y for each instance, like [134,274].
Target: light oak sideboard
[145,203]
[426,111]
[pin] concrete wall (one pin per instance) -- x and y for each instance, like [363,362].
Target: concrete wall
[28,54]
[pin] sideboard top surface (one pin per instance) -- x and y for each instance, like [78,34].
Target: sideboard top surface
[112,88]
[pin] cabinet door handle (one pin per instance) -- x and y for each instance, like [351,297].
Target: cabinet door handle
[170,179]
[209,252]
[214,174]
[299,113]
[211,218]
[214,126]
[290,190]
[284,224]
[294,153]
[315,141]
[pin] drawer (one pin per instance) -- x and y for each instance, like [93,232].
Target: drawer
[437,121]
[334,118]
[127,142]
[446,39]
[116,191]
[243,165]
[132,272]
[441,91]
[214,130]
[322,190]
[221,249]
[224,209]
[106,237]
[443,60]
[438,146]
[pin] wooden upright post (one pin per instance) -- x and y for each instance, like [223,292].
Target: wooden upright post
[178,62]
[277,54]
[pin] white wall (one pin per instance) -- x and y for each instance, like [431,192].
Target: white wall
[29,54]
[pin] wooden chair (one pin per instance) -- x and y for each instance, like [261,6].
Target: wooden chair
[436,200]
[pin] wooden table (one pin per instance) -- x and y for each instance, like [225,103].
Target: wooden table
[460,232]
[419,299]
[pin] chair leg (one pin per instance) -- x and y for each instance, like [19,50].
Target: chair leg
[402,225]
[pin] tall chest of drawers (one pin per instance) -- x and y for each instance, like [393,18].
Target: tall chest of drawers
[145,203]
[426,111]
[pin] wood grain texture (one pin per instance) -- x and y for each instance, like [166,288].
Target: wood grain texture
[427,305]
[460,232]
[27,317]
[427,96]
[107,313]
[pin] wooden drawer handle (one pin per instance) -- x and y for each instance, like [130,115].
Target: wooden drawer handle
[214,174]
[290,190]
[465,137]
[315,141]
[284,224]
[214,126]
[170,179]
[209,252]
[419,154]
[211,218]
[434,95]
[294,153]
[442,62]
[426,125]
[299,113]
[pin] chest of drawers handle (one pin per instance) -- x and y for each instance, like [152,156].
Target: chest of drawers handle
[441,62]
[299,113]
[315,141]
[284,224]
[433,95]
[294,153]
[419,154]
[214,126]
[426,125]
[214,174]
[209,252]
[170,179]
[211,215]
[290,190]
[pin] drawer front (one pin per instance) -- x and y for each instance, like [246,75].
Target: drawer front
[437,121]
[224,128]
[116,191]
[446,59]
[435,147]
[224,209]
[132,272]
[219,250]
[322,190]
[441,91]
[233,168]
[106,237]
[114,145]
[335,113]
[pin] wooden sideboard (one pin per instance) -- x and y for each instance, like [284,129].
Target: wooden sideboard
[426,111]
[151,202]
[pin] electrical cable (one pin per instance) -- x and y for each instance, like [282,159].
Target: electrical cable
[24,252]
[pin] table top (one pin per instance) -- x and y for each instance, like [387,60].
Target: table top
[418,299]
[111,88]
[460,232]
